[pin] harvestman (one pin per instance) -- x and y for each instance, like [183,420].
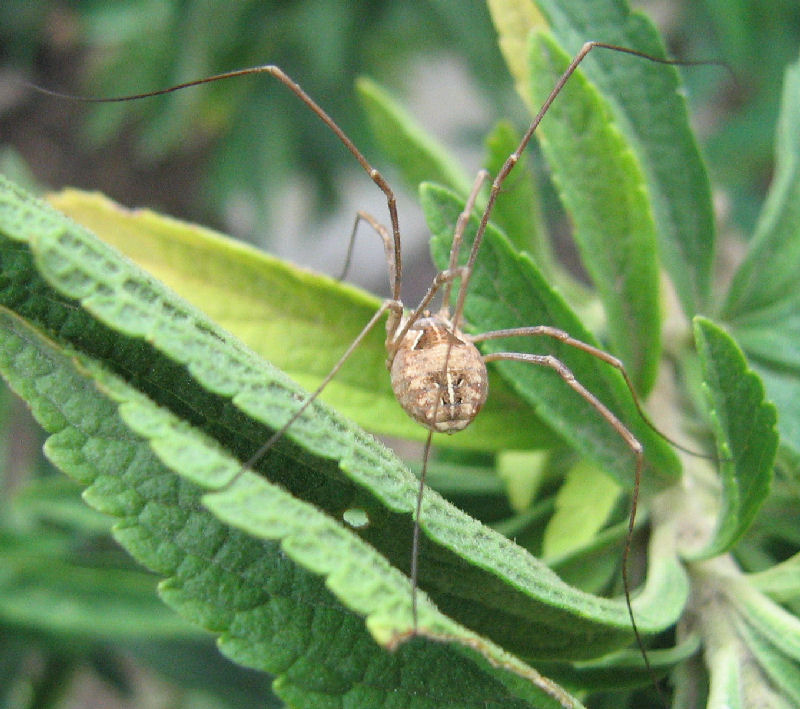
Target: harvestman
[438,375]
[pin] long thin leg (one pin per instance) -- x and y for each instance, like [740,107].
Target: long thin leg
[295,88]
[616,363]
[512,159]
[388,247]
[636,449]
[445,278]
[261,452]
[415,536]
[439,280]
[458,234]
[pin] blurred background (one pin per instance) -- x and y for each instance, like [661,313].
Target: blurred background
[246,157]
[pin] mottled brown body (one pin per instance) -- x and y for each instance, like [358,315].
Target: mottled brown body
[438,375]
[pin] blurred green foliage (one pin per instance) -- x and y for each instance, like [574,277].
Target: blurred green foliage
[757,39]
[252,133]
[75,606]
[238,141]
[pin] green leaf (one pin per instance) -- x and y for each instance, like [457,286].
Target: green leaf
[650,110]
[602,188]
[783,672]
[203,669]
[61,576]
[783,389]
[241,401]
[778,626]
[514,20]
[771,336]
[518,211]
[781,582]
[594,565]
[584,504]
[522,472]
[725,669]
[245,586]
[300,321]
[747,626]
[745,429]
[409,147]
[14,650]
[56,501]
[769,274]
[667,584]
[763,303]
[154,408]
[507,290]
[625,668]
[44,587]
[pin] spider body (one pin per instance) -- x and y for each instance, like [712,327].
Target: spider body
[438,375]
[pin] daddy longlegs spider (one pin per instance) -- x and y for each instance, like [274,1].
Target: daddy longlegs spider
[438,374]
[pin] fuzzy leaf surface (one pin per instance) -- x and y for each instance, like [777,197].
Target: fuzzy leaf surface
[763,305]
[650,110]
[775,248]
[154,408]
[253,588]
[603,189]
[747,437]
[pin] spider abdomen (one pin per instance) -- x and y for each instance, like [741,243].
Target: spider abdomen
[436,363]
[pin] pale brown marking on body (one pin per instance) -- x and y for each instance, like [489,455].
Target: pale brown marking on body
[438,375]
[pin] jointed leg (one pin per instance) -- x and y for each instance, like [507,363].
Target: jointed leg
[636,448]
[297,90]
[458,237]
[616,363]
[388,248]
